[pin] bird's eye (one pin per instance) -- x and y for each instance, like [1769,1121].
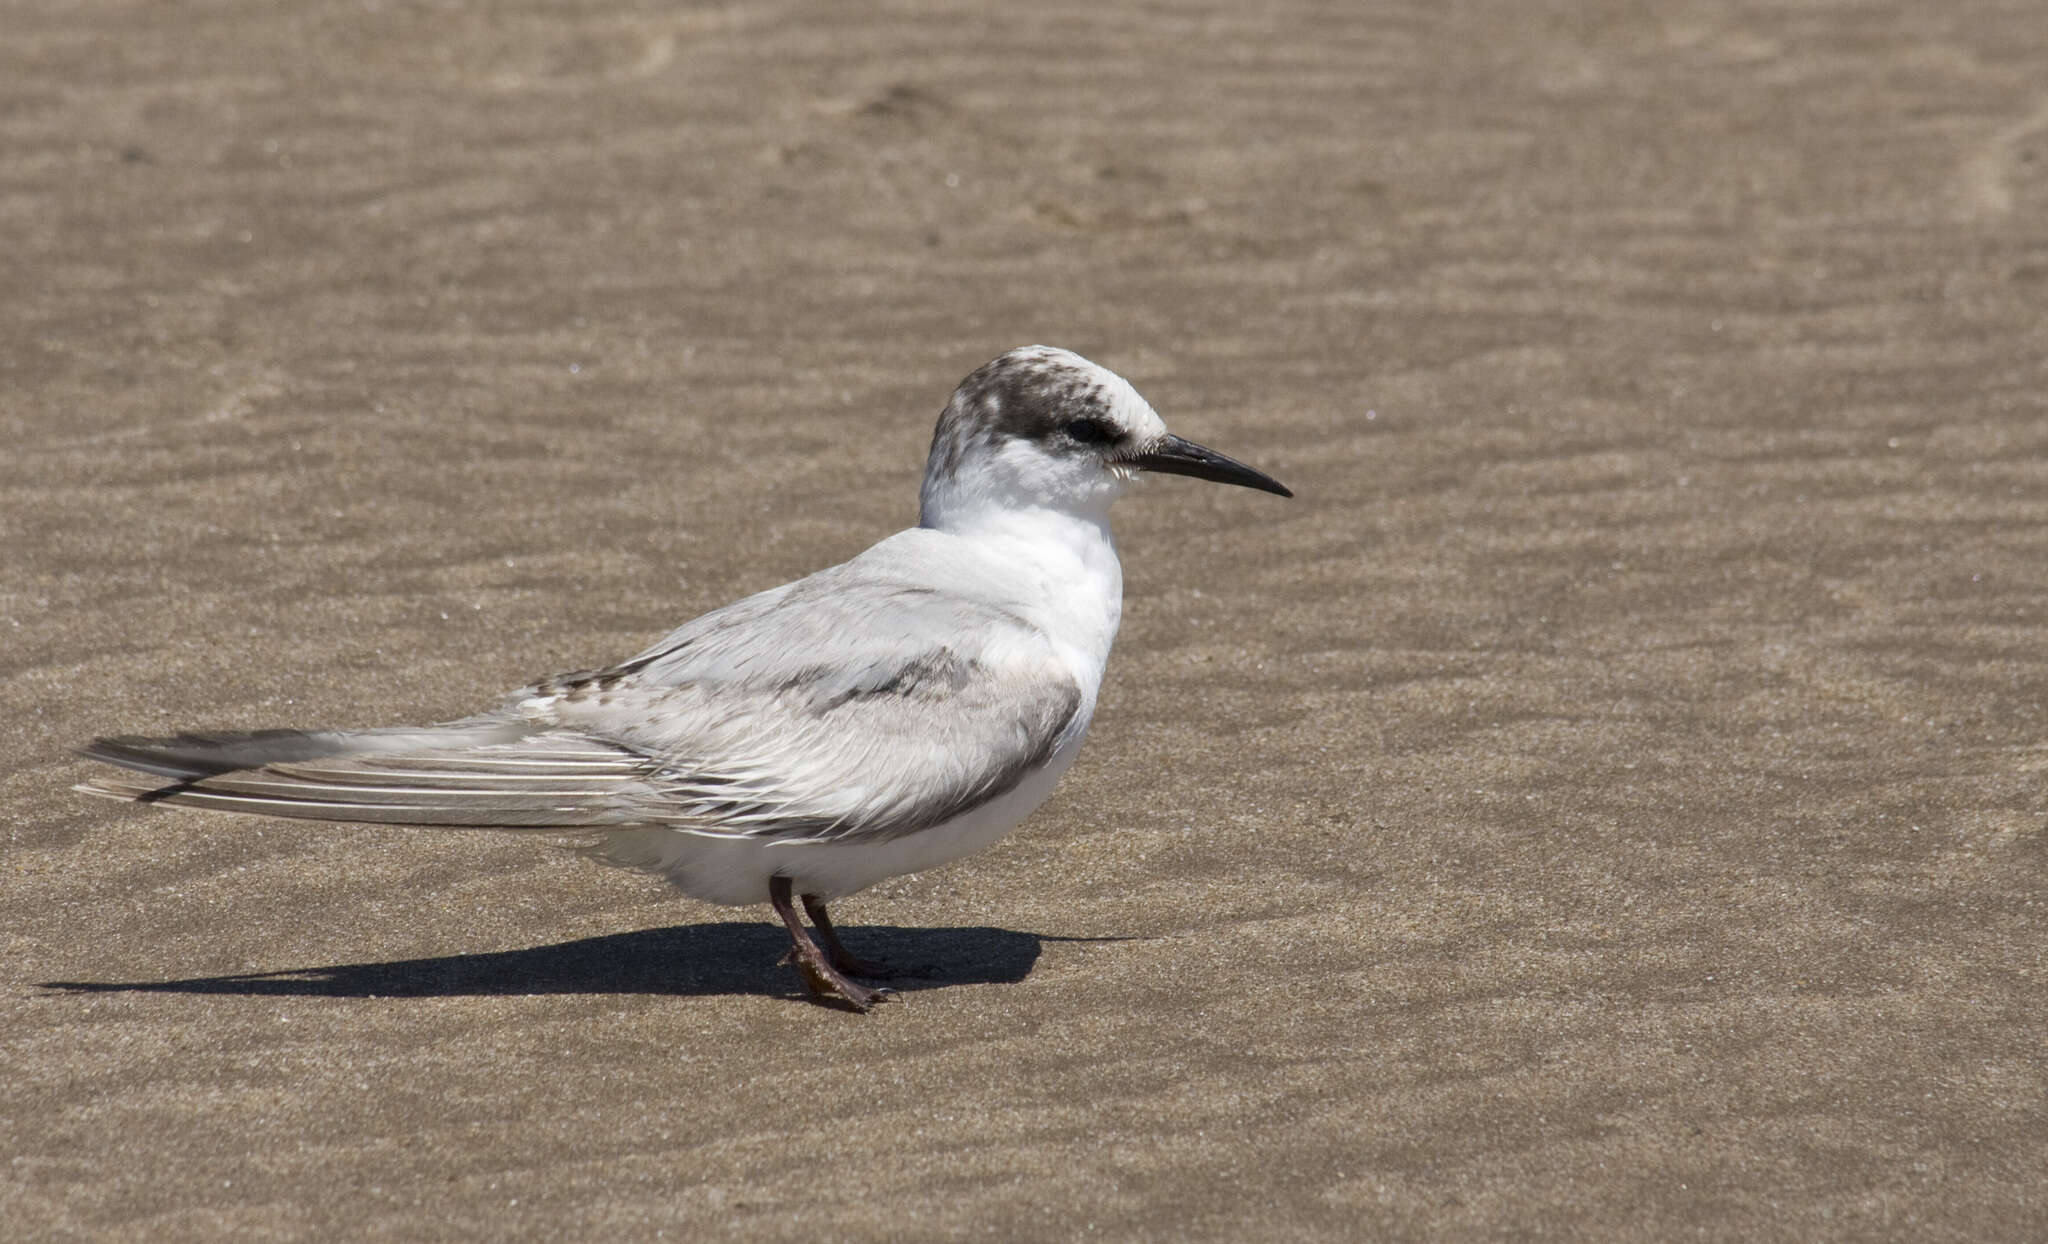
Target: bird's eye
[1089,431]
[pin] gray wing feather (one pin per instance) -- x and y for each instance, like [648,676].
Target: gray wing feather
[845,705]
[853,703]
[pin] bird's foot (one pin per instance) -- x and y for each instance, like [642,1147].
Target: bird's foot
[829,971]
[829,983]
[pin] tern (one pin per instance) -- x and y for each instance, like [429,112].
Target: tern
[874,719]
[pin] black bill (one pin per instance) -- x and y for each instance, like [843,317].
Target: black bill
[1174,456]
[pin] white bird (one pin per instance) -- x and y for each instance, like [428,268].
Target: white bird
[874,719]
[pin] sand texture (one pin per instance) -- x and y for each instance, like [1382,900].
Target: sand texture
[1611,802]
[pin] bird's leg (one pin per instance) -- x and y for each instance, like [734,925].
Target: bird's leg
[835,950]
[844,959]
[825,980]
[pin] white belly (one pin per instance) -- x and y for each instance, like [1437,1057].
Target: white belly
[736,871]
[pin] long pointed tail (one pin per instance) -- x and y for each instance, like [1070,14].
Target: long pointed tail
[484,773]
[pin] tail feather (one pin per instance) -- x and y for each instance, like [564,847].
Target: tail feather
[197,754]
[482,774]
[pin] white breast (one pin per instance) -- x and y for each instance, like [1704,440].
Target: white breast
[1060,574]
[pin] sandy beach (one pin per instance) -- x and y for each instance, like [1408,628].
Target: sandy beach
[1609,802]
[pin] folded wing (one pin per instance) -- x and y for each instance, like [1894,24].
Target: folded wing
[839,706]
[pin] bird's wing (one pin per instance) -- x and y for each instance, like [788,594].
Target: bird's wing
[844,629]
[852,704]
[846,705]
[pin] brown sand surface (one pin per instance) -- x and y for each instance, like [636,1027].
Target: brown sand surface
[1608,803]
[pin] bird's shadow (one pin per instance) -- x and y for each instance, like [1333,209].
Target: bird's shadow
[691,960]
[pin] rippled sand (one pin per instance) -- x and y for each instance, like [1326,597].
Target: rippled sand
[1609,802]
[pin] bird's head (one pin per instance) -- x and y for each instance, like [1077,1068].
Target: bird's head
[1043,428]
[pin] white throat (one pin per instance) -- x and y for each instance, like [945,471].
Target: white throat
[1062,567]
